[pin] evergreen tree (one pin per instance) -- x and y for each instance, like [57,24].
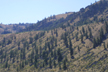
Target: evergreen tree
[78,49]
[27,46]
[83,30]
[18,45]
[59,65]
[36,57]
[55,42]
[11,53]
[23,64]
[89,29]
[68,24]
[6,64]
[13,60]
[30,40]
[59,55]
[54,64]
[86,34]
[55,55]
[104,46]
[106,27]
[76,36]
[35,64]
[4,40]
[77,28]
[49,46]
[81,38]
[9,42]
[51,53]
[90,35]
[51,32]
[56,33]
[43,64]
[107,45]
[70,43]
[66,58]
[94,43]
[50,63]
[64,65]
[71,51]
[65,40]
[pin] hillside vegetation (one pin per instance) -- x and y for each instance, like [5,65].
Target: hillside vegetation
[13,28]
[71,42]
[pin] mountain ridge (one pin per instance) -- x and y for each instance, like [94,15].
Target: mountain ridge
[76,43]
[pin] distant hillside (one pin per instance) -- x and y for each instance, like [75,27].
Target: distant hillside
[13,28]
[93,12]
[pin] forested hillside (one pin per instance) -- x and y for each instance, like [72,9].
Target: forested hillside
[71,42]
[94,12]
[13,28]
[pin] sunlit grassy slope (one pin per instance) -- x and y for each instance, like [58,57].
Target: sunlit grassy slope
[87,59]
[71,42]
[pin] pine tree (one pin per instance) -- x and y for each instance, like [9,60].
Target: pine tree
[104,46]
[35,64]
[81,38]
[51,32]
[55,55]
[51,53]
[71,51]
[55,42]
[76,36]
[50,63]
[94,43]
[77,28]
[64,65]
[30,40]
[86,34]
[54,64]
[36,57]
[90,35]
[70,43]
[65,40]
[23,64]
[59,65]
[107,45]
[43,64]
[49,46]
[6,64]
[56,33]
[59,55]
[78,49]
[106,25]
[83,30]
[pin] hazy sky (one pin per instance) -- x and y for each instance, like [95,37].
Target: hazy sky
[23,11]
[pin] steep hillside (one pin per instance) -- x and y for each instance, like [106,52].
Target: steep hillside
[93,12]
[68,49]
[13,28]
[71,42]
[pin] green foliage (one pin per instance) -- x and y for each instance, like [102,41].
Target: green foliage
[78,49]
[86,34]
[81,38]
[76,36]
[50,63]
[94,43]
[59,55]
[54,64]
[9,42]
[90,35]
[64,65]
[83,30]
[30,40]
